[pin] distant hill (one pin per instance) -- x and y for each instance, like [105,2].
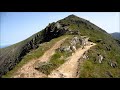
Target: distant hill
[106,47]
[116,35]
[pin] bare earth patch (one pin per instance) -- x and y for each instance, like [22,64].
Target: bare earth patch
[28,71]
[69,68]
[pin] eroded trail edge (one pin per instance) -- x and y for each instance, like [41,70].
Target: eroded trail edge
[28,71]
[69,68]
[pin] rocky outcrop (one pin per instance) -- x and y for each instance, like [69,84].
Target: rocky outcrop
[52,31]
[100,58]
[65,48]
[85,56]
[71,47]
[22,48]
[58,25]
[113,64]
[8,58]
[72,25]
[85,41]
[12,55]
[73,44]
[74,41]
[109,74]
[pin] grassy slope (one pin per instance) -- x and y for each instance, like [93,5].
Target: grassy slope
[11,55]
[54,62]
[57,59]
[34,54]
[18,46]
[89,68]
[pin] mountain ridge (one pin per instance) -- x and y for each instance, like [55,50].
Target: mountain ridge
[116,35]
[71,25]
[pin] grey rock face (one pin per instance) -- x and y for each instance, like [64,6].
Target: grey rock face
[100,58]
[113,64]
[65,48]
[74,41]
[84,41]
[85,55]
[58,25]
[73,48]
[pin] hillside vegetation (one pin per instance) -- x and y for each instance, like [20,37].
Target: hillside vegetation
[106,46]
[36,45]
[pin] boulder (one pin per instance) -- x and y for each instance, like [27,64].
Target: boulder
[58,25]
[73,48]
[75,40]
[100,58]
[84,41]
[65,48]
[113,64]
[66,27]
[85,55]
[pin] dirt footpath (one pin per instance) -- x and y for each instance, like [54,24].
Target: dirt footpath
[28,71]
[69,68]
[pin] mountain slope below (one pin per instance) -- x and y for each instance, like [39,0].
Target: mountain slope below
[28,71]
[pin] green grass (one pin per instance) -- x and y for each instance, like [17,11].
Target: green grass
[56,60]
[93,69]
[54,63]
[34,54]
[89,68]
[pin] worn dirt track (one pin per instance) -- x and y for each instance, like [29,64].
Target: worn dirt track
[28,71]
[69,68]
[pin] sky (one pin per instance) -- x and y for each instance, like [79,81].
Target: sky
[17,26]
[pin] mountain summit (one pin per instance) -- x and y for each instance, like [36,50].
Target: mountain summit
[72,16]
[53,47]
